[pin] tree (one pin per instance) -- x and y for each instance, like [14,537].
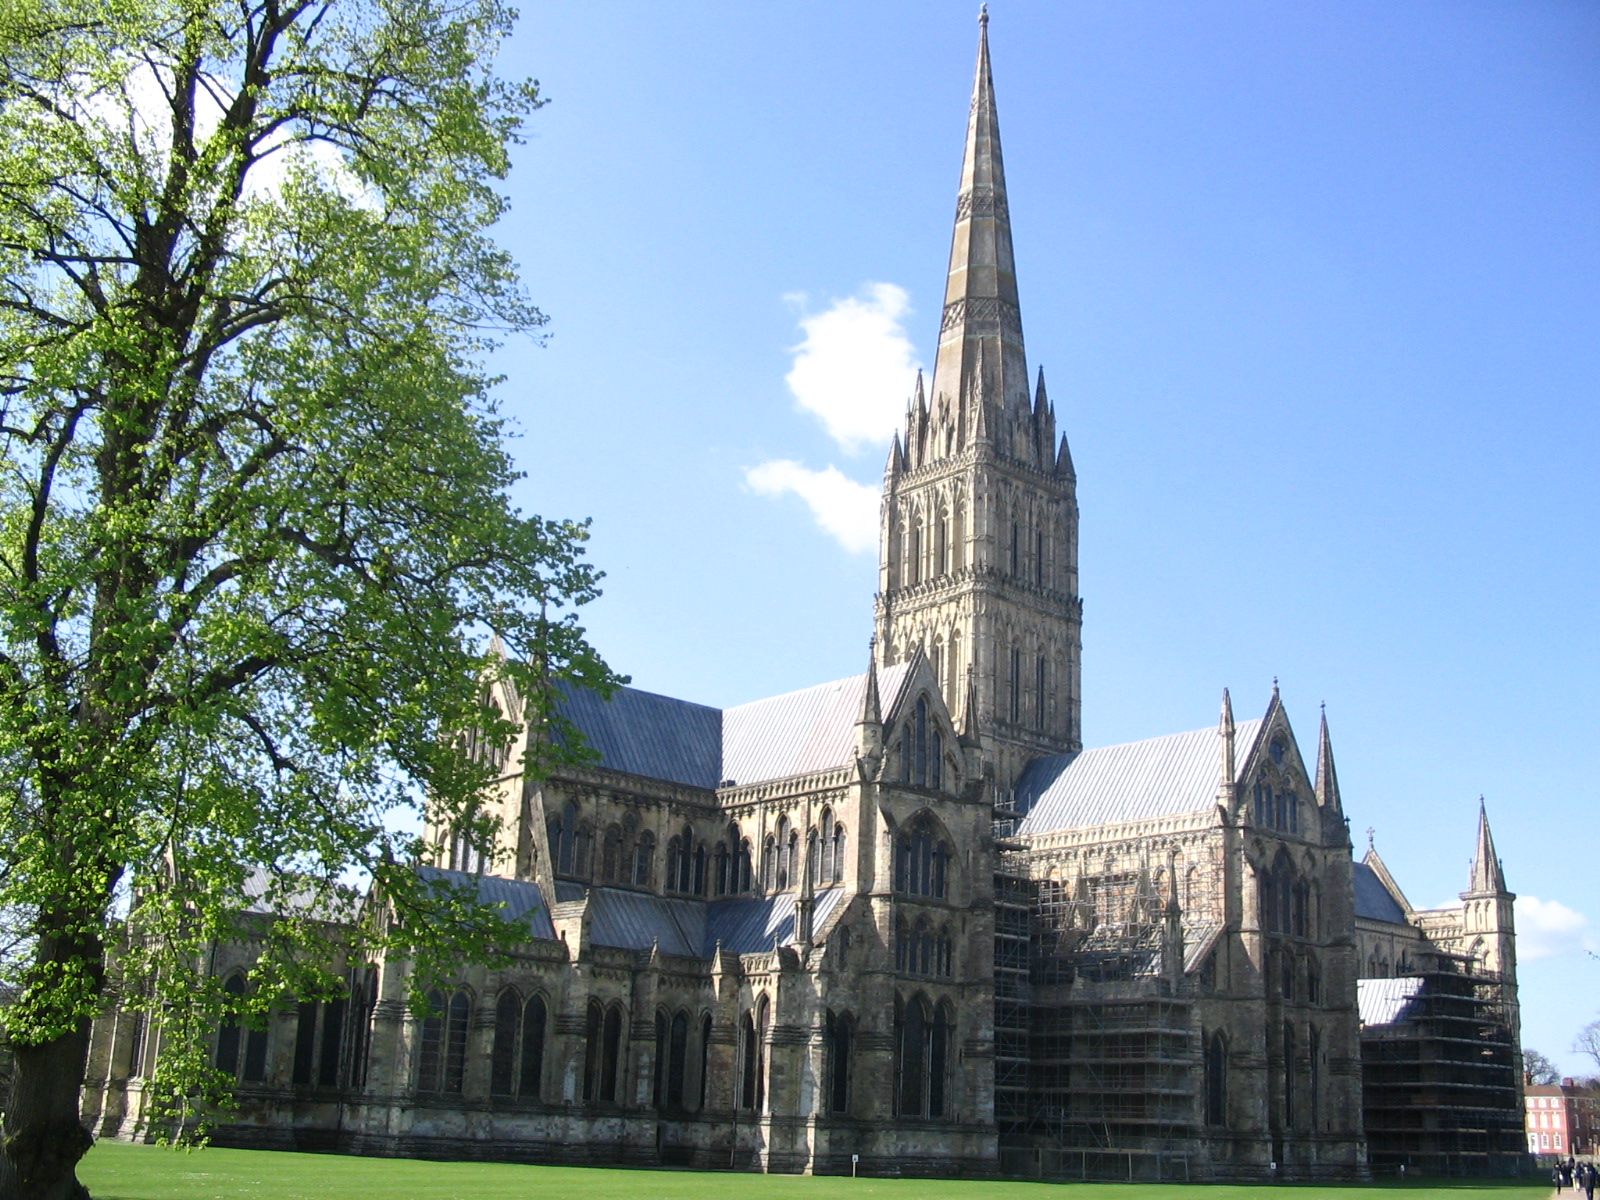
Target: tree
[1539,1068]
[1588,1041]
[255,535]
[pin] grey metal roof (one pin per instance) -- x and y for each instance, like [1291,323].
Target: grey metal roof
[692,928]
[516,898]
[1153,778]
[810,730]
[793,734]
[646,734]
[638,920]
[750,925]
[1373,900]
[1385,1001]
[285,894]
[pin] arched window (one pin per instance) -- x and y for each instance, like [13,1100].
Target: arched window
[566,839]
[1015,705]
[1288,1076]
[941,546]
[594,1023]
[230,1036]
[913,1028]
[319,1042]
[602,1051]
[783,853]
[1217,1080]
[745,871]
[611,1059]
[939,1040]
[945,965]
[749,1054]
[922,860]
[1038,559]
[763,1019]
[1016,549]
[769,864]
[919,757]
[658,1092]
[517,1061]
[674,861]
[1039,694]
[677,1060]
[792,858]
[136,1046]
[914,553]
[583,850]
[720,875]
[840,842]
[921,948]
[644,860]
[825,836]
[611,866]
[697,885]
[813,856]
[705,1058]
[839,1038]
[363,984]
[1315,1081]
[442,1055]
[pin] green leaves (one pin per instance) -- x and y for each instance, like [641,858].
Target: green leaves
[254,531]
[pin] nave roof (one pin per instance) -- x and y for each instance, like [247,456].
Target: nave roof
[659,737]
[632,920]
[1157,777]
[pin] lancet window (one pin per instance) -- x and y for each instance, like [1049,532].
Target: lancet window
[442,1050]
[516,1066]
[922,860]
[839,1032]
[922,1057]
[921,749]
[232,1039]
[602,1051]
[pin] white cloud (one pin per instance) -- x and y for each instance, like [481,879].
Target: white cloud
[853,372]
[856,366]
[1546,928]
[844,508]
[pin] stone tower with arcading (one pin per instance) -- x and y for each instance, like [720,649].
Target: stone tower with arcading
[979,549]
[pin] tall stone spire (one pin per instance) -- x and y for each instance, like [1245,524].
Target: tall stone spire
[979,523]
[980,299]
[1486,874]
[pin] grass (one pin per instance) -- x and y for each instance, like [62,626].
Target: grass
[117,1171]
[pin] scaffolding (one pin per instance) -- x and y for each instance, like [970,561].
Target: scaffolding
[1096,1054]
[1440,1086]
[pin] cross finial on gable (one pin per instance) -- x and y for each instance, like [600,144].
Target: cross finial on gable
[1370,832]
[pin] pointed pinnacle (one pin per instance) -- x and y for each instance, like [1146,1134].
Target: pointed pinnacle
[1486,873]
[871,705]
[1327,783]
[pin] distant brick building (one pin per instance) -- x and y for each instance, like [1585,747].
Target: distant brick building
[1562,1118]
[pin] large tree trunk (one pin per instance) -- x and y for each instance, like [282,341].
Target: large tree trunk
[44,1135]
[44,1139]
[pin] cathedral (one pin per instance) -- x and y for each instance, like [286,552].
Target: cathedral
[904,922]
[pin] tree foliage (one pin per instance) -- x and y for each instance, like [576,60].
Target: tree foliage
[1539,1068]
[254,524]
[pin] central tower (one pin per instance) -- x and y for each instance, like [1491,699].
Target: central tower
[979,541]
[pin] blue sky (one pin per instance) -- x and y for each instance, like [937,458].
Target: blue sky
[1316,289]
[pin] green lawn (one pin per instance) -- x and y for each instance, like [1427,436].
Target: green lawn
[116,1171]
